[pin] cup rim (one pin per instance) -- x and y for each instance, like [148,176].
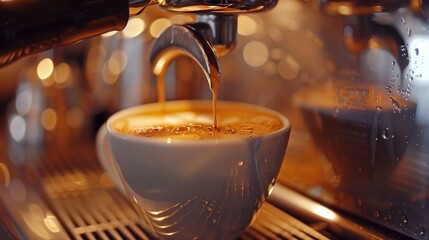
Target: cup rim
[285,128]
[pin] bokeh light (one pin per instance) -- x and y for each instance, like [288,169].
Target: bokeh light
[17,128]
[255,53]
[49,119]
[158,26]
[135,27]
[246,25]
[45,68]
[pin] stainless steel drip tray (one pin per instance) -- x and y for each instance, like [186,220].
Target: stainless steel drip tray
[82,205]
[75,199]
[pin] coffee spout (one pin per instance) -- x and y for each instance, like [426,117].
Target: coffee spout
[184,41]
[217,20]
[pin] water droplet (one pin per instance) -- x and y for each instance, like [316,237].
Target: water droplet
[409,32]
[421,231]
[395,105]
[388,217]
[393,63]
[385,133]
[404,219]
[379,108]
[417,51]
[376,214]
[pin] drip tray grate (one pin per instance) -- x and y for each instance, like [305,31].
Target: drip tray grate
[89,207]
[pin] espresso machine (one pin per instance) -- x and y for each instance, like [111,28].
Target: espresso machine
[349,75]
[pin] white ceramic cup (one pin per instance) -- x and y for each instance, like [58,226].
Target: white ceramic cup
[187,189]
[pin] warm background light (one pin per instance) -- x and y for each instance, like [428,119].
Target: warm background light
[134,28]
[45,68]
[255,53]
[158,26]
[49,119]
[62,73]
[246,25]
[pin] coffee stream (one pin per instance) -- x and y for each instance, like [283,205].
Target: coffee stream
[214,88]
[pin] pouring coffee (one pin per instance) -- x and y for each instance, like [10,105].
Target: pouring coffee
[194,169]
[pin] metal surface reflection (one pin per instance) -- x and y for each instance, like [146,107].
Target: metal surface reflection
[339,223]
[184,41]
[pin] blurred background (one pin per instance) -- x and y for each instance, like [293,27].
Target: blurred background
[352,77]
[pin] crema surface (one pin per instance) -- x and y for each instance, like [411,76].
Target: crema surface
[197,124]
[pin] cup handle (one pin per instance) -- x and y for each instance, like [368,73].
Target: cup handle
[105,156]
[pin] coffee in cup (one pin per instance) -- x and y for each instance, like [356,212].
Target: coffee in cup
[196,123]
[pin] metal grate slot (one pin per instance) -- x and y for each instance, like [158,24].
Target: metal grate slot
[98,215]
[272,223]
